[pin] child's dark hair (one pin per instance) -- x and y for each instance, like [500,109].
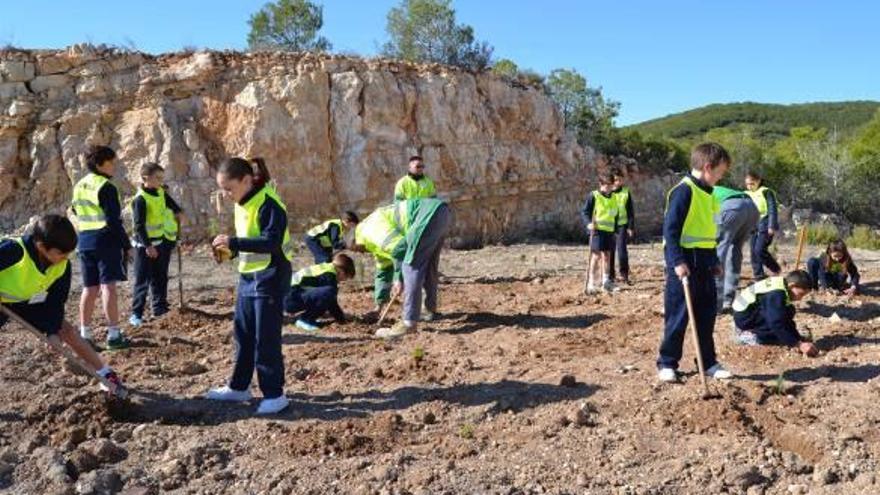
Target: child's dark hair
[344,263]
[55,231]
[415,158]
[237,168]
[150,168]
[616,172]
[712,153]
[351,217]
[755,175]
[799,279]
[606,178]
[836,246]
[96,157]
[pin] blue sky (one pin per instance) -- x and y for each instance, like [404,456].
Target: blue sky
[655,57]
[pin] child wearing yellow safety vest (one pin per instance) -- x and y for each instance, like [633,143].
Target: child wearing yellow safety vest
[600,214]
[314,291]
[763,313]
[104,247]
[689,238]
[155,216]
[626,221]
[322,240]
[415,185]
[35,282]
[767,203]
[406,239]
[264,251]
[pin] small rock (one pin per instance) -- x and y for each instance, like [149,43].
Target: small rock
[384,473]
[834,318]
[6,469]
[377,372]
[192,368]
[302,373]
[9,456]
[100,482]
[121,435]
[567,381]
[82,462]
[745,476]
[429,418]
[583,416]
[105,450]
[138,430]
[797,489]
[825,475]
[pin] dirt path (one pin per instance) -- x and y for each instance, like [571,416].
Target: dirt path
[482,411]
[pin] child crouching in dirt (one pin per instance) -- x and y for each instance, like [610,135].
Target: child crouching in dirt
[763,313]
[262,244]
[689,235]
[35,283]
[314,291]
[834,271]
[322,240]
[600,214]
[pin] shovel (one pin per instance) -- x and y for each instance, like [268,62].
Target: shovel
[696,338]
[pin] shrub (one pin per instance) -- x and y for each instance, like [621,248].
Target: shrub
[821,233]
[863,237]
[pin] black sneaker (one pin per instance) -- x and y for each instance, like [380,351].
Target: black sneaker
[120,342]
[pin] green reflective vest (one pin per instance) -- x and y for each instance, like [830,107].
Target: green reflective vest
[749,295]
[622,197]
[760,199]
[409,188]
[322,234]
[89,214]
[23,280]
[699,230]
[312,271]
[247,224]
[604,211]
[383,230]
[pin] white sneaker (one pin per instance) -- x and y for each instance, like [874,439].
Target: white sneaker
[609,287]
[272,406]
[227,394]
[719,373]
[591,289]
[667,375]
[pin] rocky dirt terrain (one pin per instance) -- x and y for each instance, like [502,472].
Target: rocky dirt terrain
[524,386]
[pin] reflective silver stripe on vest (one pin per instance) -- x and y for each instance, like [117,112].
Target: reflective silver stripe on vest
[156,226]
[12,298]
[85,203]
[91,218]
[255,257]
[389,239]
[605,224]
[745,298]
[694,239]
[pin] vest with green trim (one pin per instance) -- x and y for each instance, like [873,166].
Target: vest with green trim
[156,216]
[311,272]
[322,232]
[699,230]
[604,211]
[723,193]
[622,197]
[89,214]
[383,230]
[760,199]
[247,225]
[409,188]
[748,296]
[23,280]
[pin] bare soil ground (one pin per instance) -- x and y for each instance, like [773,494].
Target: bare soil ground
[480,401]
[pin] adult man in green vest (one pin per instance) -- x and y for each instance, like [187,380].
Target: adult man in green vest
[736,222]
[415,185]
[406,239]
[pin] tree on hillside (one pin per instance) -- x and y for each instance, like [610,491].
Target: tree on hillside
[291,25]
[426,31]
[505,68]
[584,109]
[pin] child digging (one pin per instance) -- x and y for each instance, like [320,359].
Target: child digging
[262,244]
[314,291]
[763,313]
[322,240]
[834,271]
[600,214]
[156,217]
[689,234]
[35,283]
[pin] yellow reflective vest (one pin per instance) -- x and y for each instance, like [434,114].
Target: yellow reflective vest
[89,214]
[247,225]
[23,280]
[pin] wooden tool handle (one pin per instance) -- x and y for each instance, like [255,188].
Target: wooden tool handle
[694,336]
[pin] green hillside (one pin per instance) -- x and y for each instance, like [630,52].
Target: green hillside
[767,121]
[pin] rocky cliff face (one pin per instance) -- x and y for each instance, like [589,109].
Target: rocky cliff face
[335,131]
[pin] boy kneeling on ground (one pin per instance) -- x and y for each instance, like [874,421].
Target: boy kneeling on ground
[35,282]
[313,291]
[763,313]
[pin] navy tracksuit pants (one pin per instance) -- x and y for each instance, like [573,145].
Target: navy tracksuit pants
[312,301]
[621,243]
[702,288]
[259,317]
[761,256]
[151,276]
[322,254]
